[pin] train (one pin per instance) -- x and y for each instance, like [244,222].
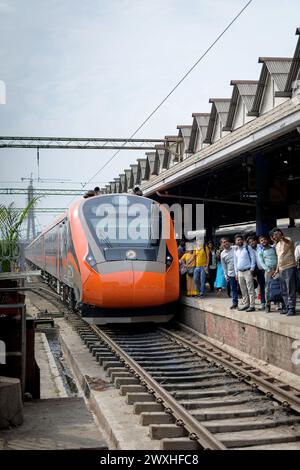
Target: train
[113,258]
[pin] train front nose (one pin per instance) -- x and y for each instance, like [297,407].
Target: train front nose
[123,285]
[134,284]
[148,288]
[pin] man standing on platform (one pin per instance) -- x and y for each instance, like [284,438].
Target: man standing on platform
[259,270]
[244,265]
[286,267]
[268,260]
[202,262]
[227,260]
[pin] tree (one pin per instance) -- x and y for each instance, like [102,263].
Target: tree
[11,220]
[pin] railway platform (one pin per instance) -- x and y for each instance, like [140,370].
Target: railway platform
[59,420]
[54,424]
[271,338]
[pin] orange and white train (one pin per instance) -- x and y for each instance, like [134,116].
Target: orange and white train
[112,279]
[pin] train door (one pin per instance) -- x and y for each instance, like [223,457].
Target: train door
[57,249]
[43,260]
[63,249]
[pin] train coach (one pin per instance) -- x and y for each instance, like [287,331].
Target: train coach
[113,258]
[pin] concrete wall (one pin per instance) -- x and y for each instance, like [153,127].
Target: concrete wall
[262,338]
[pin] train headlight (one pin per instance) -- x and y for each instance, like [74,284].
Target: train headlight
[130,254]
[169,258]
[90,259]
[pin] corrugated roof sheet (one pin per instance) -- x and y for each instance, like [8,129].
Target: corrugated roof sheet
[142,164]
[279,69]
[202,119]
[244,90]
[118,185]
[200,123]
[134,169]
[222,106]
[153,162]
[284,71]
[247,92]
[112,186]
[162,158]
[128,174]
[185,133]
[294,70]
[123,182]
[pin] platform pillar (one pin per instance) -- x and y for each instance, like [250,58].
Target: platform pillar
[265,219]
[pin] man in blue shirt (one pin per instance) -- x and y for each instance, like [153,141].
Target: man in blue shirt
[268,260]
[244,265]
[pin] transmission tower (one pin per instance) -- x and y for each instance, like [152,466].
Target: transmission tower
[31,231]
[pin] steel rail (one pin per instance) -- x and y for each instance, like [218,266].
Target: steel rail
[37,290]
[196,430]
[288,399]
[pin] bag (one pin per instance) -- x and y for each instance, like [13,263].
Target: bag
[255,283]
[274,291]
[183,269]
[190,272]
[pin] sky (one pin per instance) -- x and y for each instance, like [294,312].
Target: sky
[97,69]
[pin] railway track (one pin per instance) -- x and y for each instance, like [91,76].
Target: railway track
[191,394]
[42,290]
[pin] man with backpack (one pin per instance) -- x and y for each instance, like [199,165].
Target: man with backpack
[286,267]
[244,265]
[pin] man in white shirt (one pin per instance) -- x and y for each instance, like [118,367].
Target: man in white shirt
[244,265]
[259,270]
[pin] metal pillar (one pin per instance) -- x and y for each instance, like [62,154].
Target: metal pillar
[31,231]
[265,220]
[209,223]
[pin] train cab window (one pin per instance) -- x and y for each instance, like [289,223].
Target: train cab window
[124,221]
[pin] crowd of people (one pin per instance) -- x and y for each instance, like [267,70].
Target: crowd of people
[265,267]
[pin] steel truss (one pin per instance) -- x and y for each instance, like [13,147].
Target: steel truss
[97,143]
[44,192]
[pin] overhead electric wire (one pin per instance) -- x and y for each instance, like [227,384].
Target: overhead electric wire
[173,89]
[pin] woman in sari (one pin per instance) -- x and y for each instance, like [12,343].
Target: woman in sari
[188,262]
[220,283]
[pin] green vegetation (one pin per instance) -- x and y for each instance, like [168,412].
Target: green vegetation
[11,220]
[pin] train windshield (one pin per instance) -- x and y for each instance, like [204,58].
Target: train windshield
[121,220]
